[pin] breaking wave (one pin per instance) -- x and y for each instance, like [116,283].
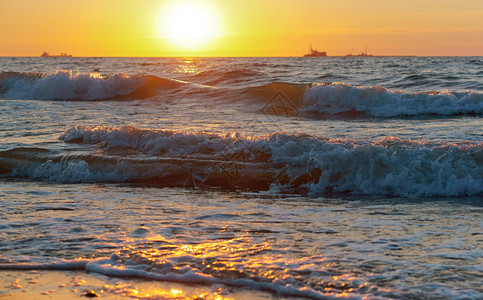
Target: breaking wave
[294,163]
[336,98]
[64,85]
[320,100]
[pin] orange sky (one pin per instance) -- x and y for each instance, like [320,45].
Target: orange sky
[248,28]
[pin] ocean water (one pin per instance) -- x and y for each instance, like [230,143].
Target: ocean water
[296,177]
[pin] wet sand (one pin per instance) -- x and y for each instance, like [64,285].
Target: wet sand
[28,285]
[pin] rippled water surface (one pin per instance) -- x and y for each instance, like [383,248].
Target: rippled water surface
[388,248]
[276,177]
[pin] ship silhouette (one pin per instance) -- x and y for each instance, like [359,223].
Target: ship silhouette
[315,53]
[47,54]
[362,54]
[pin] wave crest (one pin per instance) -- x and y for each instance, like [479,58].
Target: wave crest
[336,98]
[294,163]
[65,85]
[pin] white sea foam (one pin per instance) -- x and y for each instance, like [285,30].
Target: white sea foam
[380,102]
[73,171]
[390,166]
[152,141]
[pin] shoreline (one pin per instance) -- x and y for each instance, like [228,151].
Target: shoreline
[39,284]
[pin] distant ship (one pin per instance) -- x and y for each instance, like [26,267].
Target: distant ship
[363,54]
[315,53]
[47,54]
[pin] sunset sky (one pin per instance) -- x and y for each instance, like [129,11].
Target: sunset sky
[240,28]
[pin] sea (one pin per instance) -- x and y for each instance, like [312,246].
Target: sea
[269,178]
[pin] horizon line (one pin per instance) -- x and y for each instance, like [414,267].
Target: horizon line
[262,56]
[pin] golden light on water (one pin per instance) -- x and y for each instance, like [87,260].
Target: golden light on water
[189,24]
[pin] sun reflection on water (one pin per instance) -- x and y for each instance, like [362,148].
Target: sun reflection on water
[244,258]
[189,66]
[152,291]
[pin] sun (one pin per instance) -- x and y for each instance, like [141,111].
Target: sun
[189,24]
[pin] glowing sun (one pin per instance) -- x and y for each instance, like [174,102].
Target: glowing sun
[189,24]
